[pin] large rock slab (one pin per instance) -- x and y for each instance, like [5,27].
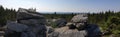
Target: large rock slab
[25,15]
[72,33]
[32,22]
[2,33]
[66,32]
[16,26]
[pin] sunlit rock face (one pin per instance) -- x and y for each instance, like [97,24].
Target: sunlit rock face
[22,10]
[79,21]
[26,10]
[32,10]
[21,15]
[80,18]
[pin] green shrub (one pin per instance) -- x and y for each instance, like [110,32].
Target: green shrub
[53,24]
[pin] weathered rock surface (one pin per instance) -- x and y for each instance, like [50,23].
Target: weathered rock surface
[93,30]
[79,18]
[80,21]
[26,10]
[22,10]
[25,15]
[33,21]
[30,18]
[89,31]
[28,34]
[49,29]
[72,33]
[2,33]
[66,32]
[16,27]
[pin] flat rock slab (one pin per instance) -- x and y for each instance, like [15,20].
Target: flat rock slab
[2,33]
[16,27]
[66,32]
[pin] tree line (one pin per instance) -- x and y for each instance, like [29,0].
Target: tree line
[6,14]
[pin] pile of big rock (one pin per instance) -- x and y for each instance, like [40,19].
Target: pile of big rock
[77,28]
[26,25]
[30,24]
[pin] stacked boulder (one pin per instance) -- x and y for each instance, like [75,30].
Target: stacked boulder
[27,25]
[79,21]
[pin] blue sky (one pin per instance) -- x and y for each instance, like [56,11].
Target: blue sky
[64,5]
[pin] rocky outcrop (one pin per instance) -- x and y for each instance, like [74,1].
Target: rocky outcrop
[34,25]
[27,25]
[77,28]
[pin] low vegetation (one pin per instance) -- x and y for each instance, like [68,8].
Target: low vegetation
[108,21]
